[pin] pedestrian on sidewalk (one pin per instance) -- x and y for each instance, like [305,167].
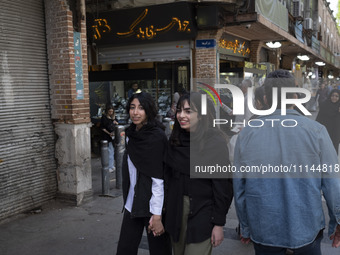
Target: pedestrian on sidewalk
[196,208]
[329,116]
[322,93]
[285,211]
[244,86]
[142,176]
[107,125]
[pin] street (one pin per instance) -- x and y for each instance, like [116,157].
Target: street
[93,228]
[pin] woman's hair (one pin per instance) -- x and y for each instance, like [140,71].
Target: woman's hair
[149,106]
[205,121]
[108,107]
[174,137]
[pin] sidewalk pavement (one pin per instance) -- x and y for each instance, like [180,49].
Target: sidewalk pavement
[93,228]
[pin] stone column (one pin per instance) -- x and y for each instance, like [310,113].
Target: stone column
[287,62]
[70,113]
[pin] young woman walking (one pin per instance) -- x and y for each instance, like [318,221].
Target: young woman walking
[196,208]
[143,185]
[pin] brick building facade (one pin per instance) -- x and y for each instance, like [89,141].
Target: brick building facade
[70,115]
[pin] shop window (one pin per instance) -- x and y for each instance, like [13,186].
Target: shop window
[183,76]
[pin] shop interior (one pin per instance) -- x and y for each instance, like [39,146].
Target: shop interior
[161,80]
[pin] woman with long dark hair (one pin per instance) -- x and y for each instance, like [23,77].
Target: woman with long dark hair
[329,116]
[196,208]
[142,174]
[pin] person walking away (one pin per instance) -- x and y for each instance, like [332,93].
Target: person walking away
[283,210]
[260,104]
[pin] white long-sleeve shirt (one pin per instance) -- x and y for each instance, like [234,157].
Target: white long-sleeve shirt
[157,198]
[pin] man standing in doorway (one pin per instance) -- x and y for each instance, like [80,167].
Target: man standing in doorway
[133,89]
[283,210]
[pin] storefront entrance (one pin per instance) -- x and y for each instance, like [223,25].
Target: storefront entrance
[160,79]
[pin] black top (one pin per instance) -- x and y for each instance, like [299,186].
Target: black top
[210,199]
[146,149]
[107,123]
[322,95]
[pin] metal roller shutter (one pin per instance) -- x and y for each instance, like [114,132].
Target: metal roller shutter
[157,52]
[27,161]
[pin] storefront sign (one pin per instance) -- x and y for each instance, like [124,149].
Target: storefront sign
[166,22]
[234,46]
[206,43]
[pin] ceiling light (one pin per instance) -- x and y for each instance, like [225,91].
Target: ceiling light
[320,63]
[303,57]
[274,45]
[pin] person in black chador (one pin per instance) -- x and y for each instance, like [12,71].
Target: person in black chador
[329,116]
[196,209]
[142,174]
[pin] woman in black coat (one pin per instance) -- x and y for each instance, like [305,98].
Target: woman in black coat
[142,175]
[195,208]
[329,116]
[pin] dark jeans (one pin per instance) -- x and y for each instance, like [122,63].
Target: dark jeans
[131,234]
[310,249]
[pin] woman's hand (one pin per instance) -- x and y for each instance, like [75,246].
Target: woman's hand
[245,240]
[156,225]
[217,236]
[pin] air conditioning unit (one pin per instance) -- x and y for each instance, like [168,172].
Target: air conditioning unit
[308,24]
[297,9]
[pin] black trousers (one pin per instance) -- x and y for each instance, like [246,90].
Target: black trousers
[131,234]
